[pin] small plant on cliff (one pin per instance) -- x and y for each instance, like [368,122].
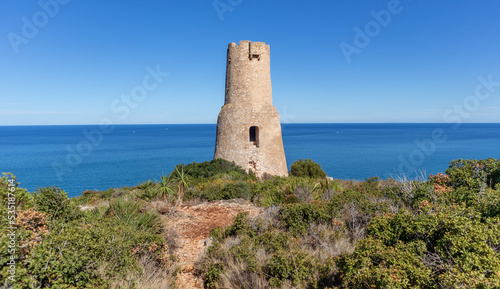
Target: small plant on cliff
[181,177]
[307,168]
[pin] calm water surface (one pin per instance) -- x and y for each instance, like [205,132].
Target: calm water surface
[76,158]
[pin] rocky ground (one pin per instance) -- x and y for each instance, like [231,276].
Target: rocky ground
[193,223]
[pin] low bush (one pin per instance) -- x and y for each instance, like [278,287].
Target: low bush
[209,169]
[294,266]
[227,190]
[441,232]
[92,254]
[307,168]
[440,247]
[297,217]
[55,202]
[382,266]
[63,247]
[132,213]
[271,192]
[474,175]
[258,253]
[18,197]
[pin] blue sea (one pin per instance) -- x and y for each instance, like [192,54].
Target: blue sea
[88,157]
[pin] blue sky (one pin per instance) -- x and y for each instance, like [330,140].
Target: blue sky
[75,62]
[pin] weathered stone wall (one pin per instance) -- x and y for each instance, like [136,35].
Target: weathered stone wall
[248,102]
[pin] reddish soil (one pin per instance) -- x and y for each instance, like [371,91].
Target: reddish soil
[193,224]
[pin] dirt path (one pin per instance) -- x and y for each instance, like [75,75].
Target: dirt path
[193,224]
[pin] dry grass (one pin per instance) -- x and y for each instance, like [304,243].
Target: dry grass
[305,194]
[236,276]
[325,241]
[322,243]
[408,186]
[355,221]
[328,194]
[152,276]
[155,273]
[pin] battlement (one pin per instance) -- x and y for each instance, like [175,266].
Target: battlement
[254,50]
[248,72]
[246,42]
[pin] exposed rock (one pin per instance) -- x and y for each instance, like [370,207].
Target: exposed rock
[193,224]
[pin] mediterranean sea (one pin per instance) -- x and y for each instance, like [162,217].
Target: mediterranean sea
[85,157]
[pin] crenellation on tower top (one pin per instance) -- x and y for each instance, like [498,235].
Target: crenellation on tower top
[248,73]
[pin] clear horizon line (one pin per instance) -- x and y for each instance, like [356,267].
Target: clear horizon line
[287,123]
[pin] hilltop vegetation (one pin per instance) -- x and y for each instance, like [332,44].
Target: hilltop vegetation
[440,232]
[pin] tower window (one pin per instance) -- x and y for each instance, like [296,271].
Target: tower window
[254,135]
[254,56]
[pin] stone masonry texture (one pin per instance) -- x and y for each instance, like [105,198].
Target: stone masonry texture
[248,126]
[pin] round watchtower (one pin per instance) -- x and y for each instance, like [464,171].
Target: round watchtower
[248,126]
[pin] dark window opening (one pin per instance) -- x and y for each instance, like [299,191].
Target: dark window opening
[254,135]
[254,56]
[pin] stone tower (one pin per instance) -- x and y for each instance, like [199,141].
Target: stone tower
[248,127]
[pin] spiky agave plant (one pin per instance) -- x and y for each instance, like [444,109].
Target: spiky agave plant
[182,179]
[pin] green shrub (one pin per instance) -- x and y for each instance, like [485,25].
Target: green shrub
[307,168]
[80,255]
[92,251]
[150,194]
[212,168]
[273,240]
[437,233]
[55,201]
[226,191]
[271,192]
[256,252]
[130,213]
[297,217]
[285,265]
[23,198]
[69,256]
[474,175]
[145,185]
[489,206]
[245,252]
[383,266]
[439,247]
[305,189]
[212,274]
[368,202]
[31,226]
[91,197]
[218,234]
[240,225]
